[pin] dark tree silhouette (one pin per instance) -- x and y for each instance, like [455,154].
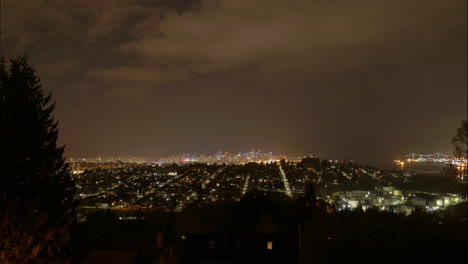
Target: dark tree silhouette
[310,196]
[460,140]
[36,189]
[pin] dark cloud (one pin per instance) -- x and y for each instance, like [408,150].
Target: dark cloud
[372,80]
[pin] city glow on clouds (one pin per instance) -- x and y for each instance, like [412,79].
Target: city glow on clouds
[333,77]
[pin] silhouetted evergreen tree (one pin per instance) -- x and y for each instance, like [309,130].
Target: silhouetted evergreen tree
[36,190]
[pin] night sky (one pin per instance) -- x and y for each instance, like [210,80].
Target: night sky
[364,80]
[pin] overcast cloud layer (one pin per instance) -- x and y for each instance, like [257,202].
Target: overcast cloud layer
[366,80]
